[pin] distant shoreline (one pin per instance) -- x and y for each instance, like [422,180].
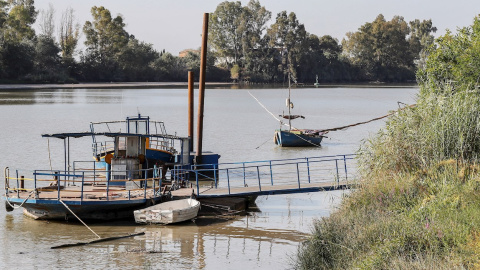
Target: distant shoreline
[132,85]
[100,85]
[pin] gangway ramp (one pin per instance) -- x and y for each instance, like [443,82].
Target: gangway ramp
[269,177]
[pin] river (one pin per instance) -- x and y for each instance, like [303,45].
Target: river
[236,127]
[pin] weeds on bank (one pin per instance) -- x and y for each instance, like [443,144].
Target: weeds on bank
[428,219]
[418,205]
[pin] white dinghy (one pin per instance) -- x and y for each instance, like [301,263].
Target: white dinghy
[168,212]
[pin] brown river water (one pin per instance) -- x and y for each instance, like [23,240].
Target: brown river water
[236,127]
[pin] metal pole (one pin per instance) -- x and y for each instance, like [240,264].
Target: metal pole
[298,176]
[228,182]
[83,184]
[336,165]
[345,164]
[215,174]
[65,159]
[271,173]
[18,191]
[191,91]
[244,179]
[198,185]
[258,176]
[308,170]
[201,89]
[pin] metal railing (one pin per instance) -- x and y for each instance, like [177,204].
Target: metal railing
[83,183]
[298,171]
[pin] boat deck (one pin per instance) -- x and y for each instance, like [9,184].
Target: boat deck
[90,193]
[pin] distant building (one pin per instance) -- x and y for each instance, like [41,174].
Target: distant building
[185,52]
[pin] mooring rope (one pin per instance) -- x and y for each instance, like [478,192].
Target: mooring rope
[13,206]
[79,218]
[365,122]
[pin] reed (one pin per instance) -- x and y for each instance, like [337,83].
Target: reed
[417,204]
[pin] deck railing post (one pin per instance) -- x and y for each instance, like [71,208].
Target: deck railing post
[259,183]
[298,176]
[22,183]
[58,184]
[83,184]
[271,173]
[345,165]
[215,174]
[244,181]
[308,170]
[108,187]
[35,179]
[74,173]
[95,172]
[336,166]
[198,185]
[145,184]
[18,191]
[228,182]
[153,179]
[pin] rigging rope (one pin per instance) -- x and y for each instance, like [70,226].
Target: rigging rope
[263,106]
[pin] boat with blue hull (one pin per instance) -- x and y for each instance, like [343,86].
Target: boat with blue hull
[298,137]
[293,137]
[131,159]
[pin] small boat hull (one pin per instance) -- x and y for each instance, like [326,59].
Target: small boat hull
[168,212]
[87,210]
[285,138]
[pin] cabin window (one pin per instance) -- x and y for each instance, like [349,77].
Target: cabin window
[137,127]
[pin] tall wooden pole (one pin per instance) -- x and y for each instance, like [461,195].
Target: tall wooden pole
[191,91]
[201,89]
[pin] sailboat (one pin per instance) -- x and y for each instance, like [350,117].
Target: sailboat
[293,136]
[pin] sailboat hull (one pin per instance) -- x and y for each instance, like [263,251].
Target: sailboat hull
[285,138]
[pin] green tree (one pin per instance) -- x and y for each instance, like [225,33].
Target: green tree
[254,45]
[16,38]
[381,49]
[453,63]
[21,17]
[47,62]
[225,32]
[388,50]
[105,39]
[169,68]
[421,39]
[136,61]
[289,37]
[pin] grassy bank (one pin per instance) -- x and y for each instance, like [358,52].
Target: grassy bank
[428,219]
[418,204]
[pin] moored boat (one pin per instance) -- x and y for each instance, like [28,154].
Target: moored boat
[298,137]
[127,173]
[168,212]
[292,137]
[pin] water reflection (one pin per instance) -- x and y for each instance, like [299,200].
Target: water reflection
[62,96]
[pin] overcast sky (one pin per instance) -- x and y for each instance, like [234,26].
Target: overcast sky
[175,25]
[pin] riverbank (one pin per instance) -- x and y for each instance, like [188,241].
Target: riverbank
[102,85]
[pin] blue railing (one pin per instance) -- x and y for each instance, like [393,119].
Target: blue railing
[78,182]
[298,171]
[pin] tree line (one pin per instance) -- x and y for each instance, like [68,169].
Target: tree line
[242,48]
